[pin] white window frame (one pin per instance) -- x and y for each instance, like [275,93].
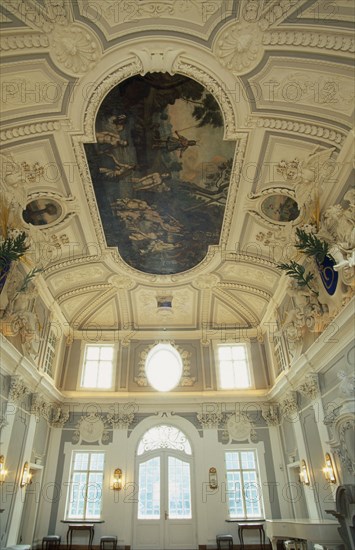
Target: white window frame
[246,345]
[71,473]
[259,466]
[49,360]
[84,347]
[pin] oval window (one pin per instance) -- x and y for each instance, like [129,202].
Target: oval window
[163,367]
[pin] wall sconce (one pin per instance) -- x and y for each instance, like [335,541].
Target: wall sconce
[117,480]
[328,470]
[3,472]
[304,475]
[212,478]
[26,477]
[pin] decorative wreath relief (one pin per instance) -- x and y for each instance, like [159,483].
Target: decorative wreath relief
[74,49]
[239,47]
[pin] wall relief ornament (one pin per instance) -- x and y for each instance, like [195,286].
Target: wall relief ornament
[75,49]
[240,428]
[91,428]
[307,176]
[274,207]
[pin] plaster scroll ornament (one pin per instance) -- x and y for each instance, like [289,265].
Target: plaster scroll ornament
[74,48]
[207,281]
[40,408]
[239,47]
[307,176]
[121,281]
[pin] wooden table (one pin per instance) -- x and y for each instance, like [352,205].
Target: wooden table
[81,526]
[250,524]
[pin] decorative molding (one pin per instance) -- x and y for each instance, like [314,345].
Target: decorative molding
[40,17]
[310,387]
[82,290]
[210,420]
[23,130]
[245,288]
[40,408]
[12,42]
[59,417]
[310,39]
[240,428]
[156,61]
[335,137]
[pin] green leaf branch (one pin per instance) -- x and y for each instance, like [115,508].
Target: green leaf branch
[310,245]
[297,271]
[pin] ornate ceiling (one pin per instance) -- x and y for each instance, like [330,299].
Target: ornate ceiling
[281,73]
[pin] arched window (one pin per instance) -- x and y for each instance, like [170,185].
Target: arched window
[163,367]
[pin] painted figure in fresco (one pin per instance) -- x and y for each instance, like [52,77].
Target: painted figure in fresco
[154,181]
[143,217]
[180,143]
[110,139]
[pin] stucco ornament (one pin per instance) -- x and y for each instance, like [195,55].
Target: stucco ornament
[239,427]
[308,176]
[91,428]
[338,229]
[239,47]
[74,49]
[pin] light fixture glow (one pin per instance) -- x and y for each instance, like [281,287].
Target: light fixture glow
[3,471]
[304,475]
[328,470]
[163,367]
[117,480]
[26,477]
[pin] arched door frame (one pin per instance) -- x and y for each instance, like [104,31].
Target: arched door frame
[191,434]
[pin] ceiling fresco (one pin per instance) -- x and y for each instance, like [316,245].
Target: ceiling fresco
[160,171]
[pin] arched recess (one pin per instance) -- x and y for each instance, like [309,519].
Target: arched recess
[164,516]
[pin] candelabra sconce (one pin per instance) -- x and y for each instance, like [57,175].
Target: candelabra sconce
[117,480]
[3,471]
[26,477]
[328,470]
[304,475]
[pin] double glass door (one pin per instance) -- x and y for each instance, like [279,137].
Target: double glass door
[163,516]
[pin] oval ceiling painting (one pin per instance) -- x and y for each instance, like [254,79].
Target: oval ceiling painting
[160,171]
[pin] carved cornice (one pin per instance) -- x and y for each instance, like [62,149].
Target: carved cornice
[326,133]
[246,288]
[94,304]
[62,266]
